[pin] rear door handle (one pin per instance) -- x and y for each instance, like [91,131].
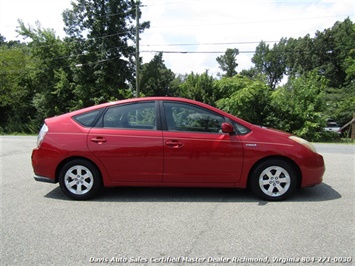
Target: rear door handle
[98,140]
[173,144]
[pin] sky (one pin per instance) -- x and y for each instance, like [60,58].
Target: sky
[193,33]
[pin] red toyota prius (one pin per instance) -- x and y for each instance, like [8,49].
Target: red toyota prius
[166,141]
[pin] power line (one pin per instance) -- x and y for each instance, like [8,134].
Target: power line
[245,22]
[202,44]
[152,45]
[194,52]
[153,51]
[200,25]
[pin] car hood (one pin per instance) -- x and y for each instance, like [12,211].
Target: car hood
[268,135]
[274,131]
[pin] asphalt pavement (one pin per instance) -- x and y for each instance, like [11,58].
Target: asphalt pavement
[174,226]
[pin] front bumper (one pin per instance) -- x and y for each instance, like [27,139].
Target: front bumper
[313,171]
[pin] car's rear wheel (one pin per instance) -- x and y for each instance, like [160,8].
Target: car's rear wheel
[273,180]
[80,179]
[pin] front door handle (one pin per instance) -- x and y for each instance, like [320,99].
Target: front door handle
[173,144]
[98,140]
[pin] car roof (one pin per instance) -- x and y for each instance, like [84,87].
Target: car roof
[155,98]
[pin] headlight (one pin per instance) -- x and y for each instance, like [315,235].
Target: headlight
[304,143]
[41,134]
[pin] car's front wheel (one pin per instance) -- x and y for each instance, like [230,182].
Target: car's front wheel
[273,180]
[80,179]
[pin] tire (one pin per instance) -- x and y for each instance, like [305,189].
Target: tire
[273,180]
[80,179]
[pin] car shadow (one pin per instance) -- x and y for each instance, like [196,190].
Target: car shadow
[322,192]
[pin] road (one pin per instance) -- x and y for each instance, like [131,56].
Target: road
[175,226]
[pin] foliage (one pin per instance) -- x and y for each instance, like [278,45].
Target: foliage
[298,106]
[344,105]
[271,62]
[47,79]
[156,78]
[227,62]
[333,47]
[330,52]
[15,96]
[198,87]
[249,99]
[253,73]
[300,56]
[340,104]
[99,33]
[49,76]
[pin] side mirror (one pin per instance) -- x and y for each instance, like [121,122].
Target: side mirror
[227,128]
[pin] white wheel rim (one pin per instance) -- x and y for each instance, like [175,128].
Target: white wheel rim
[274,181]
[78,180]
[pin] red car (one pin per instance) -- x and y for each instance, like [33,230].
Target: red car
[165,141]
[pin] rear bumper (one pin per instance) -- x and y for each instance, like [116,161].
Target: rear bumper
[44,163]
[44,179]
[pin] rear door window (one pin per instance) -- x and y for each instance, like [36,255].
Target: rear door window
[131,116]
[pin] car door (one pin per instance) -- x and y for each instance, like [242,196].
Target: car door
[128,143]
[195,149]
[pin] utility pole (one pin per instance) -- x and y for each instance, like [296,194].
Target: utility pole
[353,128]
[137,49]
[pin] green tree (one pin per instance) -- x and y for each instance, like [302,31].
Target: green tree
[49,70]
[331,54]
[199,87]
[228,63]
[156,78]
[251,73]
[341,102]
[327,52]
[2,40]
[99,33]
[226,86]
[332,48]
[15,96]
[298,107]
[335,55]
[300,56]
[271,62]
[245,98]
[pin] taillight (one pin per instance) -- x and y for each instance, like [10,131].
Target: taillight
[41,134]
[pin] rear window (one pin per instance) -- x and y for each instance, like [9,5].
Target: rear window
[87,119]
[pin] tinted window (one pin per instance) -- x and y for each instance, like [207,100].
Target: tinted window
[186,117]
[87,119]
[131,116]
